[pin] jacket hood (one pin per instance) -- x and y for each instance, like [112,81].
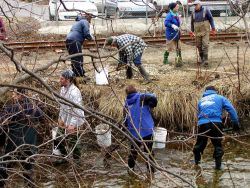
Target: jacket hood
[79,17]
[132,97]
[209,92]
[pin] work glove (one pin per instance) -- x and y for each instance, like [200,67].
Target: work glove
[236,126]
[213,32]
[176,28]
[191,34]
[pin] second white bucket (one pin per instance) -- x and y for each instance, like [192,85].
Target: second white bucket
[101,78]
[103,135]
[160,135]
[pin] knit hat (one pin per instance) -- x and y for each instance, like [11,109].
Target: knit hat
[109,41]
[68,74]
[171,6]
[20,90]
[210,88]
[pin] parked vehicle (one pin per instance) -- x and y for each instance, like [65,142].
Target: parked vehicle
[55,6]
[108,7]
[135,8]
[217,8]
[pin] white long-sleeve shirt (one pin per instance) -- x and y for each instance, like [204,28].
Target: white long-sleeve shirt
[71,115]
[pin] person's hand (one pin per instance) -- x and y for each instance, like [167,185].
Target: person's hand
[175,27]
[213,32]
[236,126]
[61,123]
[191,34]
[70,129]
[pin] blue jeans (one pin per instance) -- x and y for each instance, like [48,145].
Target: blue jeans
[75,47]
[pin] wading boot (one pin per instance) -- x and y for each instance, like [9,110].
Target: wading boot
[178,59]
[165,60]
[129,72]
[143,73]
[218,164]
[201,61]
[205,60]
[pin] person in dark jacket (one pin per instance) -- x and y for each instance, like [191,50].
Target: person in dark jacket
[140,123]
[210,109]
[201,20]
[74,41]
[19,122]
[172,24]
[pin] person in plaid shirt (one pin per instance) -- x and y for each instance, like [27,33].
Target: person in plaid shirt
[130,49]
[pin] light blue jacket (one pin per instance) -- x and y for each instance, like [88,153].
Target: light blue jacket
[211,106]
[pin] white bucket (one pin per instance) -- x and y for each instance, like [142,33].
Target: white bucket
[101,78]
[103,135]
[160,135]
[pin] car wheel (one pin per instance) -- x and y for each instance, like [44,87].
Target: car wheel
[51,18]
[117,14]
[106,13]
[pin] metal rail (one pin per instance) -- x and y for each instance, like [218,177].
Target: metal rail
[34,45]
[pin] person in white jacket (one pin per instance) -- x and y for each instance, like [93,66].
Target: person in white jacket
[70,117]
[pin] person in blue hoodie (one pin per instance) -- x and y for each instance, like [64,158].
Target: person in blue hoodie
[140,123]
[172,24]
[74,41]
[210,109]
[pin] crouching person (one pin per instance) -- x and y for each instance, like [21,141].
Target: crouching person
[140,124]
[130,49]
[19,121]
[70,118]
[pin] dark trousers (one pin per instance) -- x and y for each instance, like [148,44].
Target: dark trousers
[133,153]
[75,47]
[212,131]
[71,142]
[26,167]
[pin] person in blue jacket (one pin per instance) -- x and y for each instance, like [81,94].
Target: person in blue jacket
[74,41]
[172,24]
[210,109]
[140,123]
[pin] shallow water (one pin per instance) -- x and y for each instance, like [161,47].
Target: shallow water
[235,169]
[176,158]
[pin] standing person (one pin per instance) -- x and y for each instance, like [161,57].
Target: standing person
[3,35]
[172,24]
[20,118]
[70,118]
[74,41]
[210,109]
[140,123]
[201,20]
[132,50]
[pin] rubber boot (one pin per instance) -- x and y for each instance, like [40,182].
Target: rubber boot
[218,164]
[143,72]
[201,58]
[197,158]
[165,60]
[129,72]
[205,60]
[178,59]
